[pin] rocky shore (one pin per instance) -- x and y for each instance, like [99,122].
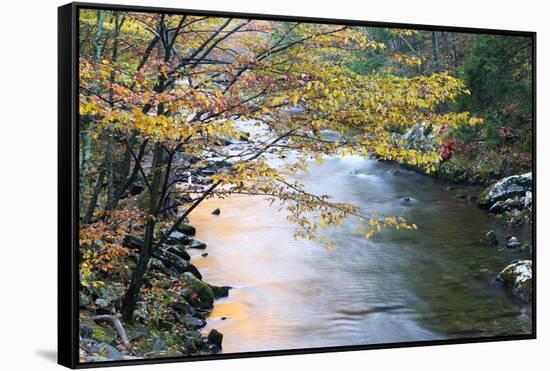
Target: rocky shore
[170,314]
[509,201]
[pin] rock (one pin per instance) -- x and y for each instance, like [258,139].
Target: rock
[177,238]
[204,254]
[174,261]
[196,292]
[180,251]
[136,188]
[186,229]
[420,137]
[132,242]
[512,243]
[84,300]
[528,200]
[195,244]
[216,212]
[220,291]
[509,187]
[406,199]
[194,322]
[107,351]
[519,277]
[490,238]
[159,345]
[506,205]
[461,193]
[215,337]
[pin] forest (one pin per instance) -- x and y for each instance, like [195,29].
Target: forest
[182,117]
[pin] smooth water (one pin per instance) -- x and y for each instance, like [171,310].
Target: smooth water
[433,283]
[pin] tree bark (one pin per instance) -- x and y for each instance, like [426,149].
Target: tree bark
[136,282]
[95,194]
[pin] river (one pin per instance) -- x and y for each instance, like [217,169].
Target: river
[433,283]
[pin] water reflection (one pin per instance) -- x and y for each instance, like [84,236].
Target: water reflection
[402,286]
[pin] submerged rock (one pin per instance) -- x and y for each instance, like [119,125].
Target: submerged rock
[490,238]
[519,277]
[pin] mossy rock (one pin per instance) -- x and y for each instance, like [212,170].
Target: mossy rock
[519,277]
[186,229]
[196,292]
[482,199]
[99,333]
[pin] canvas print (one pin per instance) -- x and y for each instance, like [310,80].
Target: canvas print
[250,185]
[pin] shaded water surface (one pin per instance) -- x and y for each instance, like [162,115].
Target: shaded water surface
[433,283]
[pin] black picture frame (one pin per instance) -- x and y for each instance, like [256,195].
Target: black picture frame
[68,142]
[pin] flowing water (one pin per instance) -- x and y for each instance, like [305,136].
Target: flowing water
[433,283]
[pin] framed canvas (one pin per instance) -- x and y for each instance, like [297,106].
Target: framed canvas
[240,185]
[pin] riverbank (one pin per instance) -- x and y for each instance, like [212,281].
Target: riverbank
[171,311]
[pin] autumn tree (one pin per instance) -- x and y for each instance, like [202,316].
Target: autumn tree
[165,92]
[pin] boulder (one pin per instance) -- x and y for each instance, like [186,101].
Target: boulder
[506,205]
[509,187]
[196,292]
[173,261]
[194,322]
[186,229]
[196,244]
[180,251]
[519,277]
[215,338]
[107,351]
[136,188]
[420,137]
[177,237]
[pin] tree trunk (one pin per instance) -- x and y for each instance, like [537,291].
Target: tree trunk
[132,294]
[435,49]
[95,194]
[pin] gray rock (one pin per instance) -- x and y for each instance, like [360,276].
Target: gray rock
[179,250]
[506,205]
[420,137]
[509,187]
[107,351]
[195,244]
[194,321]
[519,277]
[528,200]
[513,243]
[173,261]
